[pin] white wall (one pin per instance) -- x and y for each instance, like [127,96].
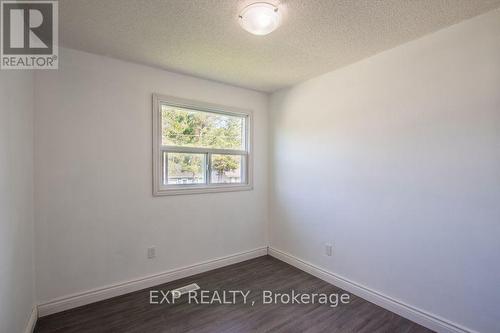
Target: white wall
[396,160]
[95,213]
[16,200]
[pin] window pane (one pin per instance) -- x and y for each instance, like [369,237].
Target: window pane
[189,128]
[181,168]
[227,169]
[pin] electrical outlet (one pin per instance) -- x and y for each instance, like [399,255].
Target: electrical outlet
[328,249]
[151,252]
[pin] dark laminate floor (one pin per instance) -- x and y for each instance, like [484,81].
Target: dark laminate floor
[133,313]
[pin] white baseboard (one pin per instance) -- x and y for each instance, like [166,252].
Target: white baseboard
[421,317]
[30,327]
[99,294]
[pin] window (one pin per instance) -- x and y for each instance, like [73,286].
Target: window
[199,147]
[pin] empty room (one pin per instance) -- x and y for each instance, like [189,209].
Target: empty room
[237,166]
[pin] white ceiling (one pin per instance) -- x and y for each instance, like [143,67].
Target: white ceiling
[203,38]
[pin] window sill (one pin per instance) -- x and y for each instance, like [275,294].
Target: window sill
[164,191]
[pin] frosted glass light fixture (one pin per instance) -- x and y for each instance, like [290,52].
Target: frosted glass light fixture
[260,18]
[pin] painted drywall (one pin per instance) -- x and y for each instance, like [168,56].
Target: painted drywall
[395,160]
[95,212]
[17,296]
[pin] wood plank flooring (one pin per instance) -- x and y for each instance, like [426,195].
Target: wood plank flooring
[133,313]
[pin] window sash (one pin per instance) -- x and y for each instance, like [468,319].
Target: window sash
[163,188]
[164,180]
[244,116]
[207,170]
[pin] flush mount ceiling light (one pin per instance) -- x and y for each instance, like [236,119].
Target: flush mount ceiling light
[260,18]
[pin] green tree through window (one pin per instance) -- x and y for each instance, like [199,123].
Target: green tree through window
[182,127]
[189,128]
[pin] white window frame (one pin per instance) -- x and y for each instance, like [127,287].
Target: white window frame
[160,189]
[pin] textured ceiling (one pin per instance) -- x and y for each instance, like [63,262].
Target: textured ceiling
[203,38]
